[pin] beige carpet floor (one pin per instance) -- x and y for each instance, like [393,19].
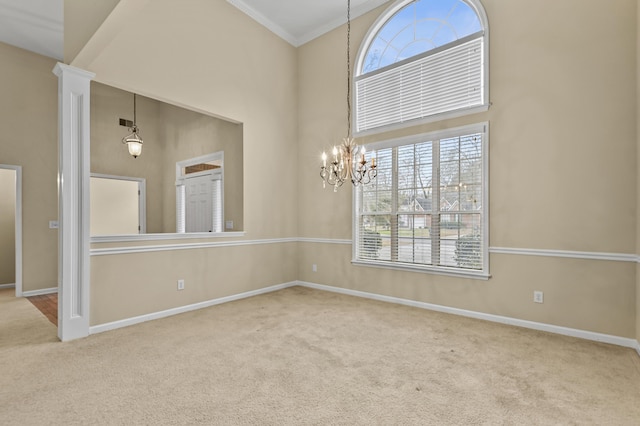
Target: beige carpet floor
[300,356]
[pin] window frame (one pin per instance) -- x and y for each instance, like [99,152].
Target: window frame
[380,22]
[482,128]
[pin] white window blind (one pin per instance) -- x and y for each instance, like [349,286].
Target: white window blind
[217,204]
[426,209]
[447,79]
[181,220]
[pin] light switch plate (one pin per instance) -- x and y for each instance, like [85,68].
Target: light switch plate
[53,224]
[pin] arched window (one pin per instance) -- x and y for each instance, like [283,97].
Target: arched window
[421,60]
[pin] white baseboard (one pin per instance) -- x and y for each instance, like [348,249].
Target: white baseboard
[588,335]
[7,286]
[40,292]
[182,309]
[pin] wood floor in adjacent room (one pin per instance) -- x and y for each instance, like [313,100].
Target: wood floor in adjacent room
[48,305]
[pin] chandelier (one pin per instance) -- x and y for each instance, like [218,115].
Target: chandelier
[133,141]
[347,162]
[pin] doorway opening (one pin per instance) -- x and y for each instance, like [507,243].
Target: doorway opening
[117,205]
[11,227]
[199,194]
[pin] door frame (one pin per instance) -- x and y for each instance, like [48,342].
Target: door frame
[180,176]
[18,226]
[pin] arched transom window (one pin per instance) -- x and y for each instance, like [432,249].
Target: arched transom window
[421,59]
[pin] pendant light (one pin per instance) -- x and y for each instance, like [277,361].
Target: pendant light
[347,162]
[133,141]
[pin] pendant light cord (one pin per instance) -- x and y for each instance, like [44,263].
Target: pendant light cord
[134,110]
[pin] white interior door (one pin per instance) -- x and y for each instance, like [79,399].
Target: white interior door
[199,203]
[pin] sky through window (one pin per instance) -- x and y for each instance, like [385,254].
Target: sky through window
[419,27]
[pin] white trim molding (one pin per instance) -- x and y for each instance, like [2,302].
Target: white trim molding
[617,257]
[2,286]
[182,309]
[73,200]
[565,331]
[582,334]
[588,255]
[163,236]
[317,31]
[187,246]
[40,292]
[324,241]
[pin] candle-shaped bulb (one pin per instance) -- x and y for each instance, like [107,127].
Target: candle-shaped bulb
[324,159]
[335,154]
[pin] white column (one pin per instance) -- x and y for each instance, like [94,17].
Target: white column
[73,201]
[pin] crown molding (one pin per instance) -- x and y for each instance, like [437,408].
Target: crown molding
[34,31]
[264,21]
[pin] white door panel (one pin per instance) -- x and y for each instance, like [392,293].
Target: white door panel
[199,204]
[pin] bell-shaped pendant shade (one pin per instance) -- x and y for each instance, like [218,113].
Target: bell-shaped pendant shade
[133,142]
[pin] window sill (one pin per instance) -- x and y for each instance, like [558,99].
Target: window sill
[478,275]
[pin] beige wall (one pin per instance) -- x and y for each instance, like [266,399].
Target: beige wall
[562,166]
[213,58]
[110,156]
[7,226]
[563,159]
[188,134]
[170,134]
[637,193]
[81,20]
[29,138]
[125,286]
[114,206]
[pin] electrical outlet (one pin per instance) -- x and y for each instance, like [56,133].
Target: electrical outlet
[180,284]
[538,297]
[314,268]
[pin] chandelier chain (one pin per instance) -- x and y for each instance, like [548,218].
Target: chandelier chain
[346,162]
[348,68]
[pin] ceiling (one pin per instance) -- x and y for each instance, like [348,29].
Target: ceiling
[37,25]
[300,21]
